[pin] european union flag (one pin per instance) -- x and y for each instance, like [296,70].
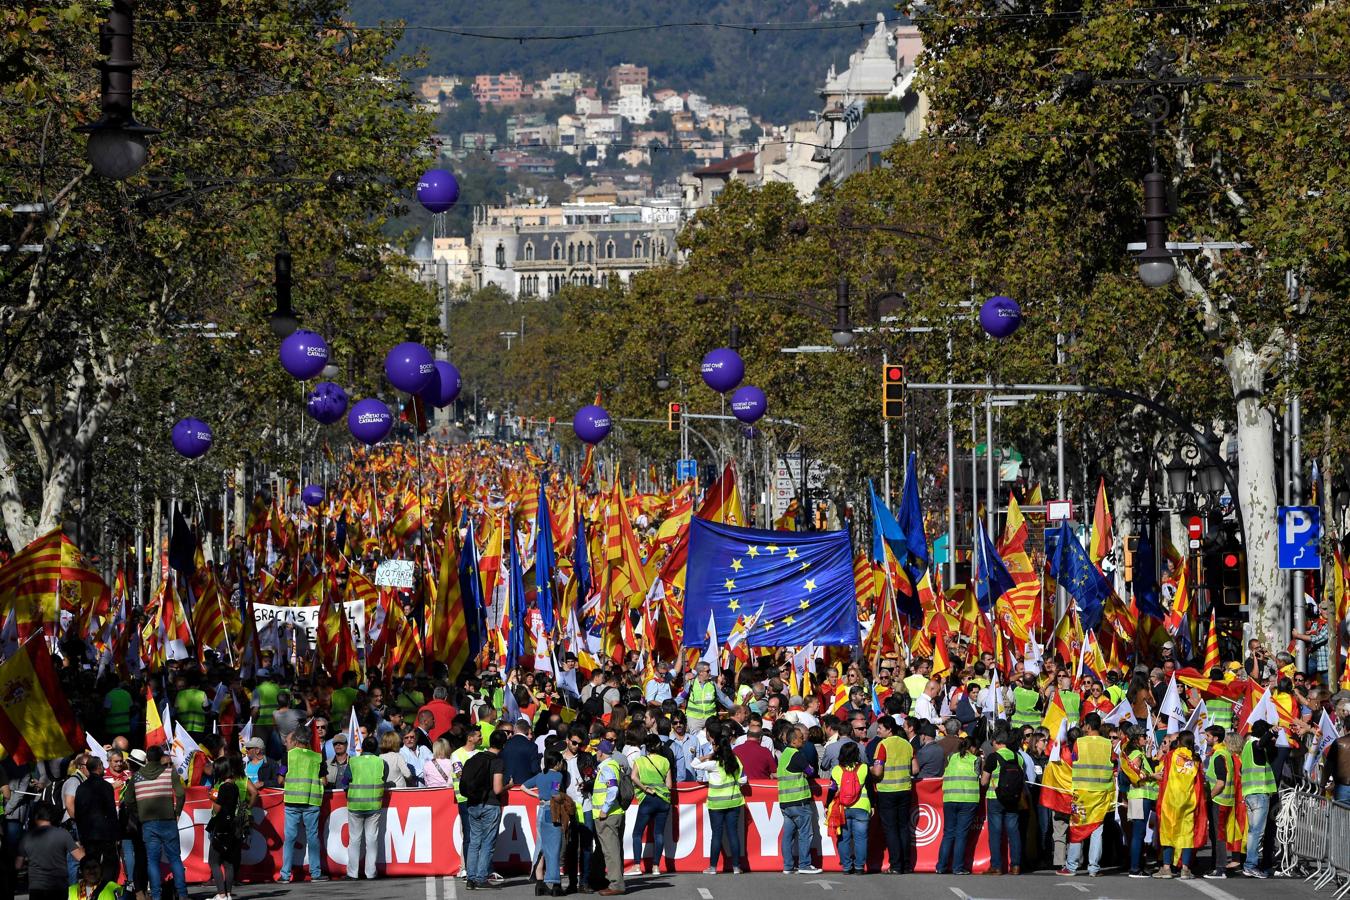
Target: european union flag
[1074,571]
[798,585]
[1146,577]
[544,562]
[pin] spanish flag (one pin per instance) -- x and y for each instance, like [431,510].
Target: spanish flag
[156,735]
[1102,540]
[36,721]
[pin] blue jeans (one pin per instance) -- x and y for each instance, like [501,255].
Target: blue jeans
[726,836]
[1003,828]
[1138,830]
[798,829]
[1075,857]
[297,816]
[1258,808]
[853,840]
[550,845]
[161,838]
[956,822]
[1341,793]
[1187,856]
[656,811]
[483,820]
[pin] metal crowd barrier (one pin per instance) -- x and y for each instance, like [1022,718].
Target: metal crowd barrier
[1338,849]
[1301,833]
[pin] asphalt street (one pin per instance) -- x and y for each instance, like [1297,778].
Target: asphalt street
[770,886]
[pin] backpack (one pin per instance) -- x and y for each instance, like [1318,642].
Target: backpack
[1012,781]
[475,782]
[626,789]
[850,788]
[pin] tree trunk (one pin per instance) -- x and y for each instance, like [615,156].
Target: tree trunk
[1267,590]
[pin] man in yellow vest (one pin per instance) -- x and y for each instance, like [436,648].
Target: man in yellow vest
[703,696]
[365,807]
[609,815]
[1094,774]
[190,706]
[1258,786]
[303,782]
[796,805]
[1221,778]
[893,771]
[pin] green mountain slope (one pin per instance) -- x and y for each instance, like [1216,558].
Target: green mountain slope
[774,73]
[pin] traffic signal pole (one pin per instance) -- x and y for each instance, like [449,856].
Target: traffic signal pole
[886,442]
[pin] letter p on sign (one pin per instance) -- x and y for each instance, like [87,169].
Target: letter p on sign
[1300,530]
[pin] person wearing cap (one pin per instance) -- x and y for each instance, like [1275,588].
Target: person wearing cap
[338,772]
[608,814]
[365,807]
[258,767]
[158,793]
[303,782]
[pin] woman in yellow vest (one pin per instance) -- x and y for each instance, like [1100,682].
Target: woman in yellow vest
[724,802]
[1142,797]
[960,799]
[91,885]
[849,793]
[652,781]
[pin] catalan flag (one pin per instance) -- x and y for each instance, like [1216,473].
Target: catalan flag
[36,721]
[447,628]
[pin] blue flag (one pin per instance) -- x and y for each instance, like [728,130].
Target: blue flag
[799,585]
[1145,582]
[471,588]
[911,523]
[1074,571]
[544,561]
[991,575]
[515,644]
[886,532]
[581,565]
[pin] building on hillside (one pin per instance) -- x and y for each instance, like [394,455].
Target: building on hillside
[505,88]
[705,150]
[477,140]
[522,120]
[788,155]
[559,84]
[632,104]
[636,156]
[696,104]
[588,105]
[537,136]
[433,88]
[702,186]
[668,100]
[533,252]
[510,160]
[624,74]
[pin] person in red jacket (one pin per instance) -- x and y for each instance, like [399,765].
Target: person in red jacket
[441,711]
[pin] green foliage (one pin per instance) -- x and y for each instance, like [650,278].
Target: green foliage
[726,65]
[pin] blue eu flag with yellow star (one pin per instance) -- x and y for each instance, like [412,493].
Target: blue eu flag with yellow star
[796,586]
[1073,570]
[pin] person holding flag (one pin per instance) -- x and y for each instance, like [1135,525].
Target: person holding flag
[1222,777]
[1142,797]
[1094,773]
[1182,821]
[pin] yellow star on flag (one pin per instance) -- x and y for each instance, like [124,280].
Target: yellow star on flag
[806,565]
[772,548]
[804,604]
[736,565]
[810,585]
[768,626]
[788,620]
[734,605]
[752,551]
[792,553]
[730,584]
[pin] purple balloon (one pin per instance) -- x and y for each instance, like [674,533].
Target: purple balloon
[1000,316]
[591,424]
[409,367]
[313,494]
[192,437]
[304,354]
[437,190]
[748,404]
[443,387]
[723,369]
[369,420]
[327,402]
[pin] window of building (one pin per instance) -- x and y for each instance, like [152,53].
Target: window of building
[501,256]
[571,253]
[609,250]
[637,249]
[529,251]
[557,250]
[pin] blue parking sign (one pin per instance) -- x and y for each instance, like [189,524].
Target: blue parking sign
[1300,530]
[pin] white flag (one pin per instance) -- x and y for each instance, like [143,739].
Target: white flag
[245,734]
[353,735]
[1171,705]
[1264,711]
[989,698]
[1328,734]
[1032,663]
[1123,712]
[713,653]
[96,749]
[182,749]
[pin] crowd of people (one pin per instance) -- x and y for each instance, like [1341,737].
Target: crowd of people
[1119,784]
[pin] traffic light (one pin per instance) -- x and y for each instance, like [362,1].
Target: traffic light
[892,392]
[1131,548]
[1233,572]
[673,413]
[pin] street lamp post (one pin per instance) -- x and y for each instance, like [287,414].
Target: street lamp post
[117,142]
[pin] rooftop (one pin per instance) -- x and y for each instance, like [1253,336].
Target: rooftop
[745,162]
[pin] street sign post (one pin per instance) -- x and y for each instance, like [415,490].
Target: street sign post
[1195,529]
[1058,510]
[1300,530]
[686,469]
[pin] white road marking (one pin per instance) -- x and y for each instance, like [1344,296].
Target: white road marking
[1209,890]
[705,893]
[448,886]
[1080,888]
[961,895]
[431,888]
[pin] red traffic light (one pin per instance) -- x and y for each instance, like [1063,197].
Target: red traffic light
[675,407]
[1230,560]
[895,373]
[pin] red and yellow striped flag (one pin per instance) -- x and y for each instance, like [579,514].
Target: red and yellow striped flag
[1212,660]
[35,580]
[36,721]
[447,627]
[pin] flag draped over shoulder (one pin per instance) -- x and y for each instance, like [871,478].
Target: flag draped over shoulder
[799,586]
[1181,801]
[36,721]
